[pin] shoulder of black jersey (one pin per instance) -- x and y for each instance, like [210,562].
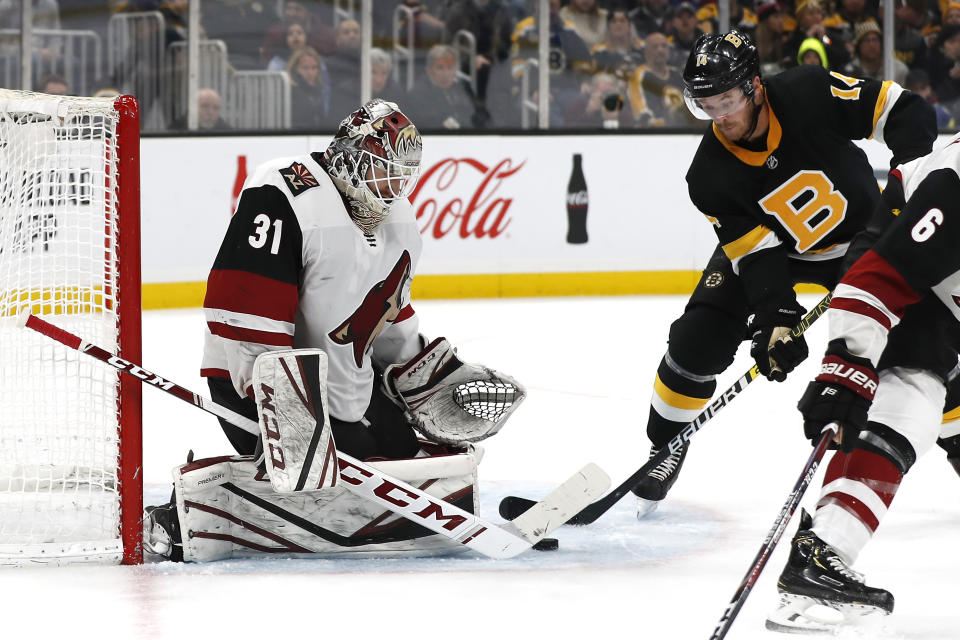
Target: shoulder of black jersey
[798,88]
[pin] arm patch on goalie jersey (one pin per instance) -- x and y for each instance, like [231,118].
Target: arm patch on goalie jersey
[298,178]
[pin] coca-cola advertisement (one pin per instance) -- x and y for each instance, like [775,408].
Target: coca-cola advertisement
[485,205]
[466,197]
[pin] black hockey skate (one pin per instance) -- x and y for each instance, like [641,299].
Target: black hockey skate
[655,485]
[818,591]
[952,446]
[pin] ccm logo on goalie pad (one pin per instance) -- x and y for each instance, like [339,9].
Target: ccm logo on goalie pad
[414,506]
[269,412]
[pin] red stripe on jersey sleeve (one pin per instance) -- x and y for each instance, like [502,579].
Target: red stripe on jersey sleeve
[862,308]
[405,313]
[875,275]
[249,293]
[214,373]
[241,334]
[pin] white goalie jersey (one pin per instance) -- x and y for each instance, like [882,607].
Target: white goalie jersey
[295,271]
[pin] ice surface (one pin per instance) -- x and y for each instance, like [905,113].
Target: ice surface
[589,365]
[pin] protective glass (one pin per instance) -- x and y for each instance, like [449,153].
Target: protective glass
[718,106]
[388,180]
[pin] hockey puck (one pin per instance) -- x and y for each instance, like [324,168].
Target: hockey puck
[547,544]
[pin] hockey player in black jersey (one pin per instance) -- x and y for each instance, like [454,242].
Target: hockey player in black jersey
[778,176]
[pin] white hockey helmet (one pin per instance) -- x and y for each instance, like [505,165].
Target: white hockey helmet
[374,160]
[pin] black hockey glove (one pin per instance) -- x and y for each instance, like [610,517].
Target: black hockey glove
[842,393]
[776,350]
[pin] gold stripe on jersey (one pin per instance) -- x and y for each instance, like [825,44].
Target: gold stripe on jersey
[746,243]
[678,400]
[881,105]
[754,158]
[950,416]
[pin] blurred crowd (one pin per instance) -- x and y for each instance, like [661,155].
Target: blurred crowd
[472,64]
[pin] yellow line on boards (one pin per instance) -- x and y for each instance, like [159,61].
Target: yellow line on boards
[507,285]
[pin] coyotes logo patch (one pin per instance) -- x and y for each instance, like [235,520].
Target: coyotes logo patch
[298,178]
[381,305]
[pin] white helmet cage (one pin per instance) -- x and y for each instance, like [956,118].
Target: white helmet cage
[374,159]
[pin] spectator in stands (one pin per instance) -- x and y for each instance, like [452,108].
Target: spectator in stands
[209,107]
[649,16]
[951,14]
[295,39]
[741,18]
[605,105]
[54,85]
[945,68]
[621,52]
[47,50]
[318,35]
[918,81]
[656,90]
[849,14]
[427,28]
[868,54]
[242,25]
[569,59]
[682,31]
[770,37]
[909,43]
[441,99]
[810,24]
[346,94]
[588,19]
[491,23]
[345,61]
[309,95]
[813,52]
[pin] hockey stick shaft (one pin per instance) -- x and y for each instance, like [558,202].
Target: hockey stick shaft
[370,483]
[773,536]
[593,511]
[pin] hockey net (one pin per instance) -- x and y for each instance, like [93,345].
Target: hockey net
[70,459]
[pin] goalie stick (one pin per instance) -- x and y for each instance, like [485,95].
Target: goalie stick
[773,537]
[390,493]
[513,506]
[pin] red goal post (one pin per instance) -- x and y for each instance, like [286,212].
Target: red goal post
[70,430]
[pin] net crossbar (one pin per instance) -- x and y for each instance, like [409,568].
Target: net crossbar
[61,453]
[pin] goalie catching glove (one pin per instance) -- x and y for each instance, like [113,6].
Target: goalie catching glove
[450,401]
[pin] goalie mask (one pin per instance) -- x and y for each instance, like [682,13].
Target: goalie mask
[374,159]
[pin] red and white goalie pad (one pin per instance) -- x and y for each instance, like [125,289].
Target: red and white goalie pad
[230,510]
[451,401]
[290,389]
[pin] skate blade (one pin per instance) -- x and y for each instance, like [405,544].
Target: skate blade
[814,616]
[645,507]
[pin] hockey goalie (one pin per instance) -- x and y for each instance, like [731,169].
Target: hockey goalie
[310,333]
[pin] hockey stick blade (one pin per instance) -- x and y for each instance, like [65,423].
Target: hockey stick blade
[513,506]
[368,482]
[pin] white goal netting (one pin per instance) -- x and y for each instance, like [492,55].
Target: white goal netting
[60,410]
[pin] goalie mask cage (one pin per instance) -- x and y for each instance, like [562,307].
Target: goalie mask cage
[70,441]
